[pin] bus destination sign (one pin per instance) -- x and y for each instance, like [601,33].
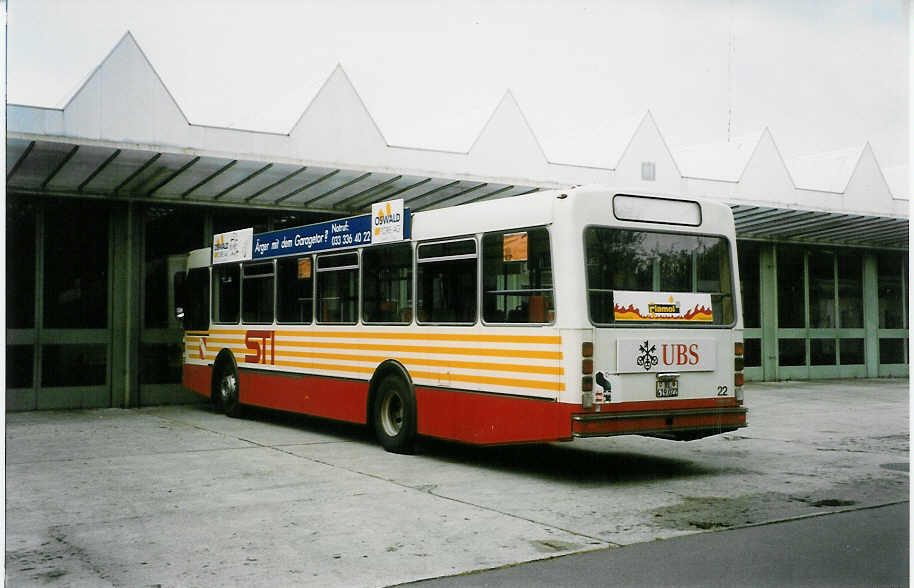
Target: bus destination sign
[354,231]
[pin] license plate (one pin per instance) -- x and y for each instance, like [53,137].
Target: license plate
[667,388]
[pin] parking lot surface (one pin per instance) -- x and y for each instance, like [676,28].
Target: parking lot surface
[182,496]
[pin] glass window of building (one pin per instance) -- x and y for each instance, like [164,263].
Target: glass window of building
[21,259]
[171,232]
[750,287]
[76,265]
[791,296]
[792,352]
[850,291]
[822,290]
[892,271]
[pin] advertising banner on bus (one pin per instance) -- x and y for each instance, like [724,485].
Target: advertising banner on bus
[662,306]
[652,354]
[232,246]
[387,225]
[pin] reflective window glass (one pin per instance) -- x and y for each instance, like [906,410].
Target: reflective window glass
[822,290]
[850,291]
[749,274]
[517,277]
[791,352]
[294,290]
[446,282]
[338,288]
[622,259]
[76,266]
[387,283]
[226,293]
[891,269]
[791,299]
[257,293]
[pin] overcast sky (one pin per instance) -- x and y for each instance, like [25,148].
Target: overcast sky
[822,75]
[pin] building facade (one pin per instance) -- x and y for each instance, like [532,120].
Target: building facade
[105,194]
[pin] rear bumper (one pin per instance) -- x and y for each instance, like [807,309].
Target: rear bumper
[684,424]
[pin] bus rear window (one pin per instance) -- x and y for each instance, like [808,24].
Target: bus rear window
[647,261]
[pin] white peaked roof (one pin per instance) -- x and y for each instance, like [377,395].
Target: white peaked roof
[123,136]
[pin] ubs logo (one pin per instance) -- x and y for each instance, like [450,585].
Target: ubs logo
[648,357]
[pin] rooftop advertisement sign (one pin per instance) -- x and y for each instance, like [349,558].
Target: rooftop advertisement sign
[389,222]
[232,246]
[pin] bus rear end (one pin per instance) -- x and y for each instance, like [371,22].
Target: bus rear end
[664,355]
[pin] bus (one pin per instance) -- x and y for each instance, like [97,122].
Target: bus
[559,314]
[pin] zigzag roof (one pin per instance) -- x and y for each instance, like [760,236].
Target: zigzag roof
[124,111]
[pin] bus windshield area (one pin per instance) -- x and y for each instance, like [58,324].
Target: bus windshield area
[648,261]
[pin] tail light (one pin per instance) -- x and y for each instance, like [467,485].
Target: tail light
[738,365]
[587,374]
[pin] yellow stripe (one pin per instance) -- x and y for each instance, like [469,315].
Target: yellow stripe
[470,379]
[228,340]
[523,353]
[509,382]
[415,335]
[469,365]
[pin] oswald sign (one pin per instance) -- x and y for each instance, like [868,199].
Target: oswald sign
[388,222]
[232,246]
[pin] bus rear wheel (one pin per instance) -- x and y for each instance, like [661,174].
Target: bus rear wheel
[394,415]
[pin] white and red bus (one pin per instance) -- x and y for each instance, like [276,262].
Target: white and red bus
[560,314]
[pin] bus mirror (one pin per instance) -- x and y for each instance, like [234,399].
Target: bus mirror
[178,288]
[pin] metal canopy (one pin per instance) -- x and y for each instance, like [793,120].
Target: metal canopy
[816,226]
[123,173]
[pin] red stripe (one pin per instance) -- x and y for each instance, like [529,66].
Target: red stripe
[655,424]
[491,418]
[332,398]
[197,378]
[478,418]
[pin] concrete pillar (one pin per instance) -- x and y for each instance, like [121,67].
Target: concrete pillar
[871,314]
[126,264]
[768,296]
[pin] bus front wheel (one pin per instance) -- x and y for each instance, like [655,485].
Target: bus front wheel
[394,415]
[227,390]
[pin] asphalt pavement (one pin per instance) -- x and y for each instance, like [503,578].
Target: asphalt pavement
[859,547]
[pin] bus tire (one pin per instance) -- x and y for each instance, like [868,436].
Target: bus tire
[394,415]
[226,388]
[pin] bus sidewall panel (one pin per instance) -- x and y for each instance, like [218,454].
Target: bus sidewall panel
[331,398]
[197,378]
[487,419]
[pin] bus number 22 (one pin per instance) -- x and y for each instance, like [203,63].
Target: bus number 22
[256,342]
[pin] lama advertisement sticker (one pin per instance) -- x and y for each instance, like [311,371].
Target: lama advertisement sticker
[662,306]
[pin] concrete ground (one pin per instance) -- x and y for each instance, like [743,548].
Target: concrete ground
[181,496]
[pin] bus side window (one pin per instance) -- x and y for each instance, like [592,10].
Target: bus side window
[446,282]
[387,284]
[257,293]
[196,299]
[338,288]
[294,290]
[517,277]
[226,293]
